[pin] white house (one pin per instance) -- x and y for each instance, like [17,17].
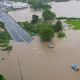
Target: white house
[20,5]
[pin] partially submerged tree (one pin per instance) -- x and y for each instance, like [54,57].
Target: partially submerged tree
[46,32]
[2,77]
[58,26]
[48,15]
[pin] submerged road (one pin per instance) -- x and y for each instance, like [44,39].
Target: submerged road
[15,31]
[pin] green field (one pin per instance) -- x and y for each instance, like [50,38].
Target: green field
[74,23]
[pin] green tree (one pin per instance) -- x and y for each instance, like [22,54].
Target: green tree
[58,26]
[46,32]
[35,19]
[46,6]
[48,15]
[2,77]
[1,24]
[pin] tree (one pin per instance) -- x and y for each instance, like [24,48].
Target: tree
[46,32]
[1,25]
[2,78]
[46,6]
[48,15]
[35,19]
[58,26]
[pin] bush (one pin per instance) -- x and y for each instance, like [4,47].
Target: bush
[2,77]
[58,26]
[4,37]
[48,15]
[61,34]
[46,32]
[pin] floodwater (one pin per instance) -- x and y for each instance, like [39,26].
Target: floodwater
[38,62]
[65,9]
[24,14]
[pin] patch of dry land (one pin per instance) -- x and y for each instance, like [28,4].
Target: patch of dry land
[38,62]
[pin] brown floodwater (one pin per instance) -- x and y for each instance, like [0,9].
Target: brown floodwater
[24,14]
[61,9]
[38,62]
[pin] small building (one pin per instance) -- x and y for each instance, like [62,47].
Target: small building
[20,5]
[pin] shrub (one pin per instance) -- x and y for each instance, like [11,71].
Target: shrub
[46,32]
[61,34]
[2,77]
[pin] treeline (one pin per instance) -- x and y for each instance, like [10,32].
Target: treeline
[68,18]
[44,1]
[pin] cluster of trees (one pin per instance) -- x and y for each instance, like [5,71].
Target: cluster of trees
[37,5]
[4,38]
[43,1]
[44,29]
[48,15]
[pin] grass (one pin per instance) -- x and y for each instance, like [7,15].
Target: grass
[74,23]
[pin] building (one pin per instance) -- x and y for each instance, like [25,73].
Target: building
[20,5]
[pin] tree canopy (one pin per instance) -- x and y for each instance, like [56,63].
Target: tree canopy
[58,26]
[48,15]
[46,31]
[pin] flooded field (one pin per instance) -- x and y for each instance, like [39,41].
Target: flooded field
[38,62]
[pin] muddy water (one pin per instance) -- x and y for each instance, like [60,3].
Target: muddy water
[24,14]
[65,9]
[38,62]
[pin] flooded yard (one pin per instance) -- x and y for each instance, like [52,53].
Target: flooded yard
[38,62]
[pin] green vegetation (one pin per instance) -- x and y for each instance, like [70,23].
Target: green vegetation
[4,38]
[48,15]
[2,77]
[61,34]
[46,32]
[74,23]
[1,25]
[43,1]
[58,26]
[37,5]
[30,28]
